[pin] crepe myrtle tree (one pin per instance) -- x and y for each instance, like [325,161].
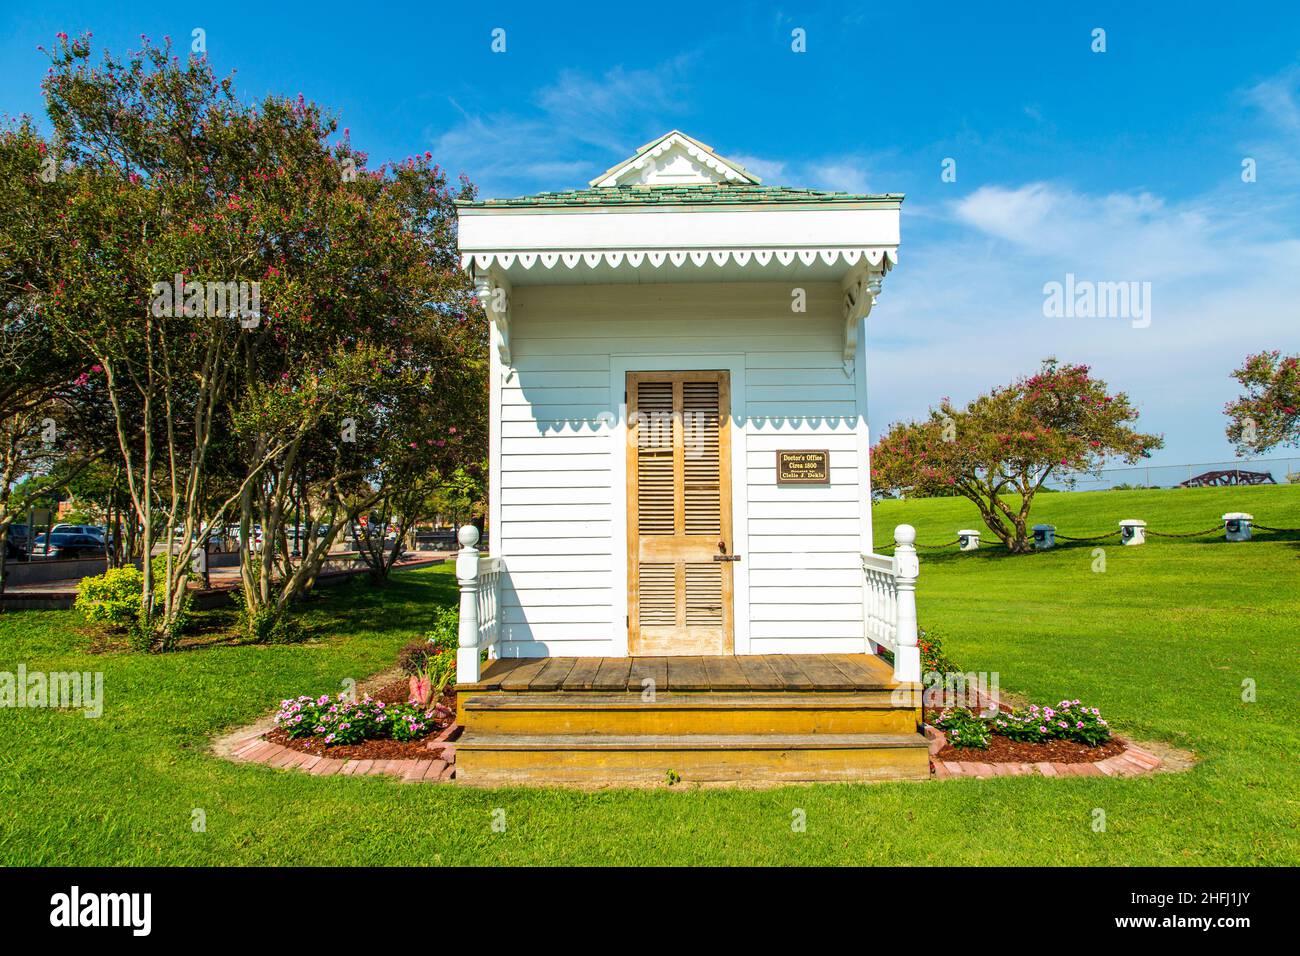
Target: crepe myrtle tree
[1268,415]
[179,191]
[1000,448]
[145,231]
[368,299]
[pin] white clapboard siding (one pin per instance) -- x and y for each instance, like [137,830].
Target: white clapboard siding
[594,395]
[560,579]
[811,612]
[787,560]
[527,380]
[798,578]
[510,547]
[519,530]
[577,514]
[559,564]
[559,444]
[557,453]
[770,441]
[814,644]
[589,632]
[550,362]
[595,646]
[824,594]
[843,391]
[795,493]
[800,630]
[553,413]
[795,360]
[787,376]
[556,597]
[578,461]
[795,528]
[552,614]
[545,497]
[791,414]
[595,475]
[781,509]
[804,544]
[805,585]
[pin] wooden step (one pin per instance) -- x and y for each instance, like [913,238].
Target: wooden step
[494,760]
[531,714]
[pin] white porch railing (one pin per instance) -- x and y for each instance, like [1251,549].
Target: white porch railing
[479,577]
[889,609]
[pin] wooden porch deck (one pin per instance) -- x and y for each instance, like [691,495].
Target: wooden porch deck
[762,673]
[776,718]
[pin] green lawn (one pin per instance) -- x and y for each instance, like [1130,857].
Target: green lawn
[1161,640]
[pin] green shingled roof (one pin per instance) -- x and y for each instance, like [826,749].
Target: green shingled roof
[710,194]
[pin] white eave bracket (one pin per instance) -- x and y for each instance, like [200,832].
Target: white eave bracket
[861,287]
[493,292]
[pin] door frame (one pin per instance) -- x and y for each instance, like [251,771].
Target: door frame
[734,366]
[725,530]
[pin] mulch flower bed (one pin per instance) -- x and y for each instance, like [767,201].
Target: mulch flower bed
[397,692]
[1002,750]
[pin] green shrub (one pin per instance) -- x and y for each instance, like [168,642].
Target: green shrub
[111,599]
[964,729]
[445,633]
[933,658]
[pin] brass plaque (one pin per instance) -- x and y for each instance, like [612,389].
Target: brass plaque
[803,467]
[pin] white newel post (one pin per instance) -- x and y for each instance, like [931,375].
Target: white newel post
[907,656]
[467,657]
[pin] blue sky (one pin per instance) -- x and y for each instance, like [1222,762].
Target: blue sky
[1117,166]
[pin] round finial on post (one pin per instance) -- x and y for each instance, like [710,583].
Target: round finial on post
[467,536]
[904,534]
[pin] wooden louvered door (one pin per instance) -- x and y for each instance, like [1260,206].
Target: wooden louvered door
[679,513]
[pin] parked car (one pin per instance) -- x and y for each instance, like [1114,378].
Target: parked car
[14,552]
[94,530]
[58,546]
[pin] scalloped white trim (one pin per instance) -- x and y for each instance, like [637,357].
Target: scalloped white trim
[616,258]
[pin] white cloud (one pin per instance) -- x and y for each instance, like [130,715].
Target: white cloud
[964,310]
[550,146]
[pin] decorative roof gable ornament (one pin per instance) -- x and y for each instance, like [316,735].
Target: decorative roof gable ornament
[675,159]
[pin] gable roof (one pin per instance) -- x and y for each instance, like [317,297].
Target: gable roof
[674,156]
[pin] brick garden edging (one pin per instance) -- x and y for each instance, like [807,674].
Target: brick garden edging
[249,746]
[1133,762]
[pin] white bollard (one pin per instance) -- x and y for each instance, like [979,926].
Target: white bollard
[467,655]
[968,540]
[1044,536]
[1132,531]
[1236,525]
[907,655]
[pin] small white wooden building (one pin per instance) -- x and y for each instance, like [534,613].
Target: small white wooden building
[679,443]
